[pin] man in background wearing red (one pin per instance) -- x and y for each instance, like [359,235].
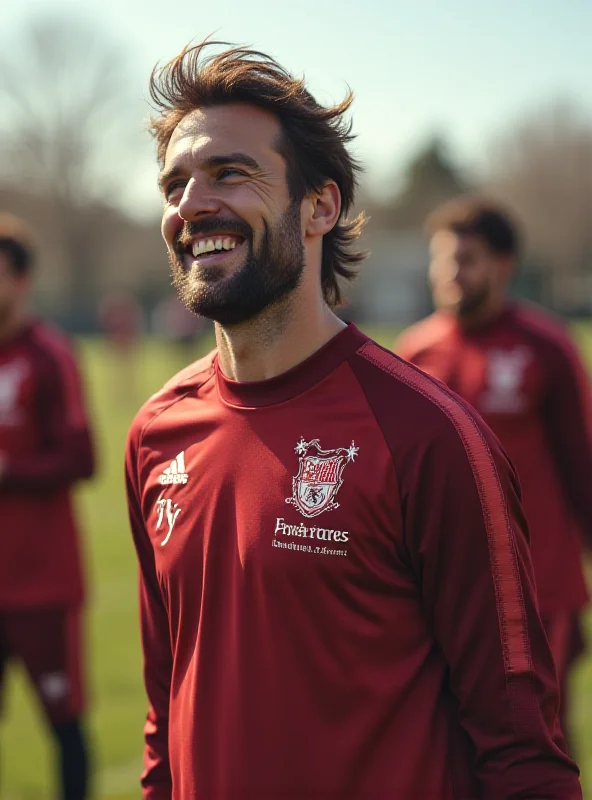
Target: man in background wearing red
[45,446]
[518,367]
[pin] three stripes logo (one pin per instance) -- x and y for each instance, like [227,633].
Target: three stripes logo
[175,474]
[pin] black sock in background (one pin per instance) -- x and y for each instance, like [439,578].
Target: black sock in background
[73,760]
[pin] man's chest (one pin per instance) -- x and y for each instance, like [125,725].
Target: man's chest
[295,497]
[17,396]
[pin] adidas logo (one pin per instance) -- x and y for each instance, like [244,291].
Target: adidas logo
[175,473]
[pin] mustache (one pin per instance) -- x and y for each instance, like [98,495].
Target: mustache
[210,225]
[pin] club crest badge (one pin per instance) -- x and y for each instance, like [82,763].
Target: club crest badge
[319,477]
[505,376]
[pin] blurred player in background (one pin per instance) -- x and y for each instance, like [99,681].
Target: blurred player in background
[45,447]
[121,319]
[336,592]
[518,367]
[174,323]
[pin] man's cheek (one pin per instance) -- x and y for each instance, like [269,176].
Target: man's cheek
[170,227]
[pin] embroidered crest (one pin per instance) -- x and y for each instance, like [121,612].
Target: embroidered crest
[11,377]
[319,477]
[505,378]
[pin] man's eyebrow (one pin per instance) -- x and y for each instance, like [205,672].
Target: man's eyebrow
[231,158]
[166,175]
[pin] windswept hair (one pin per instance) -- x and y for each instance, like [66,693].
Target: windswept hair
[17,243]
[473,215]
[314,138]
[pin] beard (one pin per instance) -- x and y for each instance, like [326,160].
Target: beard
[6,311]
[469,304]
[266,276]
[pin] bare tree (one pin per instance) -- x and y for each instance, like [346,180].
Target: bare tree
[67,126]
[430,178]
[543,169]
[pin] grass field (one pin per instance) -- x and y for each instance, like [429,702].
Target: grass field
[117,696]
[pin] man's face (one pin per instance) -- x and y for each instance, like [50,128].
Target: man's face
[13,288]
[464,273]
[233,233]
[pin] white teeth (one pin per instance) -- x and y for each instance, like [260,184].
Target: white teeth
[198,247]
[211,245]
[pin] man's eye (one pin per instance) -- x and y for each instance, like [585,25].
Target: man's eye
[229,172]
[173,187]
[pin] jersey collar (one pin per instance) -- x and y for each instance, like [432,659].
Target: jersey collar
[254,394]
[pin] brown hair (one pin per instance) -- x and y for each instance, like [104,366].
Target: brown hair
[17,243]
[314,138]
[477,216]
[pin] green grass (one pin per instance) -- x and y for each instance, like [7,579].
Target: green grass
[117,698]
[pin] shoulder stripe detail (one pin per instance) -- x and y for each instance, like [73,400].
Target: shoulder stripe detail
[56,346]
[508,591]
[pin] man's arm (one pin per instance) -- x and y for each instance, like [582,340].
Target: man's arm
[567,417]
[156,778]
[66,453]
[468,537]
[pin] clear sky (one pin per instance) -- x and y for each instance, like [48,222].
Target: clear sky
[467,69]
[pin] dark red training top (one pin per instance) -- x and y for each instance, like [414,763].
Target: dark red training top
[336,591]
[44,435]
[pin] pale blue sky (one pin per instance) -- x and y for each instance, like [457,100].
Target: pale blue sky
[466,68]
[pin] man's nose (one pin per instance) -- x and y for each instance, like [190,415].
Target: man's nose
[198,200]
[456,270]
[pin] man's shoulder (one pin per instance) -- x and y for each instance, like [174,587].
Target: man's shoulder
[420,418]
[46,338]
[190,377]
[422,335]
[187,380]
[403,396]
[51,354]
[539,322]
[544,330]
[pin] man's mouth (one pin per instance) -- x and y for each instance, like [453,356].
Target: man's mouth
[211,244]
[210,248]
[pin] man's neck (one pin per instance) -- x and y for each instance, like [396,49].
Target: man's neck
[481,317]
[277,340]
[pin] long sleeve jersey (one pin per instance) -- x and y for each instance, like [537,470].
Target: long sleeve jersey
[336,593]
[46,443]
[522,373]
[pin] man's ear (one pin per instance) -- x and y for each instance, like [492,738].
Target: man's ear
[322,210]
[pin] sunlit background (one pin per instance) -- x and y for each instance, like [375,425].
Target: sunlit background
[450,96]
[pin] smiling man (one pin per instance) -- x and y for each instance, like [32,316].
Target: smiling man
[336,593]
